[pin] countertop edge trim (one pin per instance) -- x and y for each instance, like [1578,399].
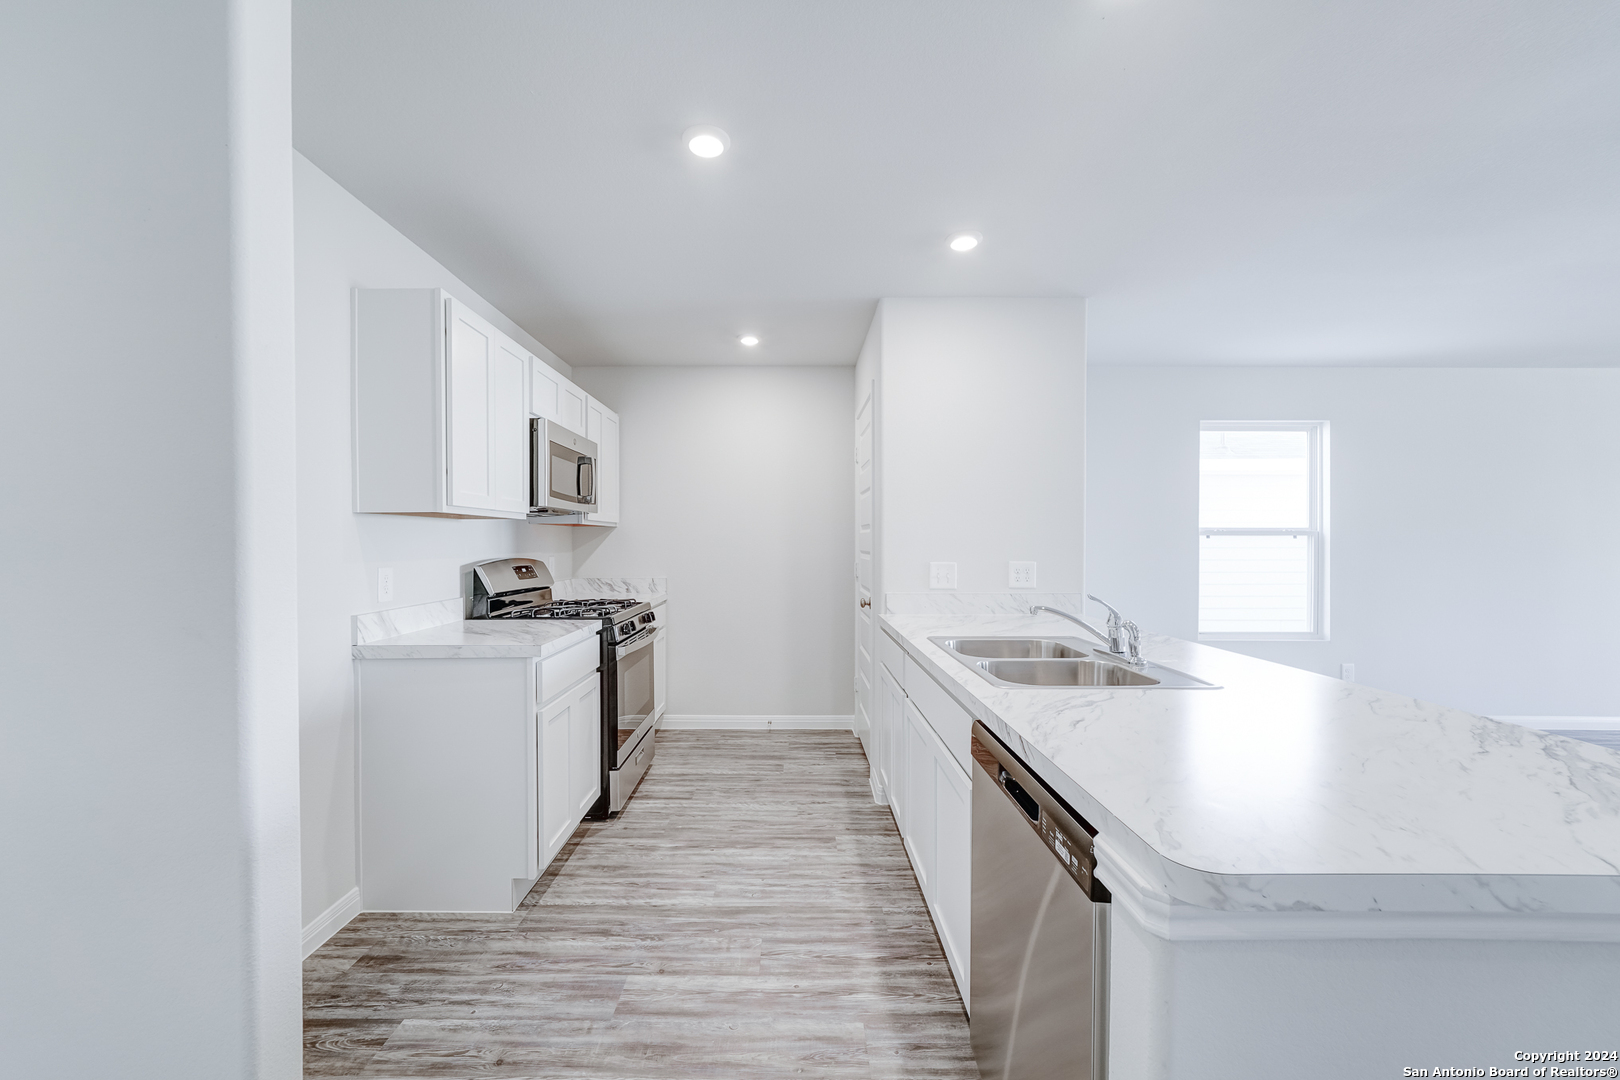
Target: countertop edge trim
[1155,912]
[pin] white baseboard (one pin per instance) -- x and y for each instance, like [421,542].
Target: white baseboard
[758,723]
[1564,723]
[331,920]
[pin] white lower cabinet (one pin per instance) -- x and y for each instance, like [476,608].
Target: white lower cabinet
[889,735]
[919,830]
[570,763]
[569,750]
[931,796]
[953,862]
[660,669]
[585,751]
[473,774]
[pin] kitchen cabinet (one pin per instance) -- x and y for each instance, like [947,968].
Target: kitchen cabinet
[570,755]
[888,736]
[440,409]
[473,774]
[553,397]
[930,793]
[602,428]
[660,669]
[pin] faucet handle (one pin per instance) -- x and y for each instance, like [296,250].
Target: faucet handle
[1114,617]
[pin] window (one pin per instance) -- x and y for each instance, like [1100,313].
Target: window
[1262,531]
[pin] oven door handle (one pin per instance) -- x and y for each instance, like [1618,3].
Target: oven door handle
[636,643]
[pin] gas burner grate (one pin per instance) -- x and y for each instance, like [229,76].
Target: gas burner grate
[571,609]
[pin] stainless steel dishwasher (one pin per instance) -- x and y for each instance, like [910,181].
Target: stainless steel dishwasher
[1039,932]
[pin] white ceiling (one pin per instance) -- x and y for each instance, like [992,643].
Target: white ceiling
[1249,181]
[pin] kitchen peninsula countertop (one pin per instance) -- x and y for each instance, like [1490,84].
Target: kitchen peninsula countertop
[1298,799]
[475,638]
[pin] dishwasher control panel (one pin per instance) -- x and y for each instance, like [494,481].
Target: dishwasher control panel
[1066,835]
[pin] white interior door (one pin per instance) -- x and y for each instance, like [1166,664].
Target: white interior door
[864,698]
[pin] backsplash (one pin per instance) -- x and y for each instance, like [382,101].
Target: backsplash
[651,589]
[376,625]
[955,603]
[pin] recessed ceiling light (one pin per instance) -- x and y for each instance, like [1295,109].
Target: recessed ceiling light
[749,339]
[966,241]
[706,141]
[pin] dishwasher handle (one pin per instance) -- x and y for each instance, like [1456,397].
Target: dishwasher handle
[1026,802]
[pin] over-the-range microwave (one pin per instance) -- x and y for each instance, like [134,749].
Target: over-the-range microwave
[562,470]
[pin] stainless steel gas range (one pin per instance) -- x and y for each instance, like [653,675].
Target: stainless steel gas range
[521,589]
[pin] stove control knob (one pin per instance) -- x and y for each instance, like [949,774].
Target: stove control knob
[647,619]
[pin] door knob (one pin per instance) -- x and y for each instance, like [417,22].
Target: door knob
[866,603]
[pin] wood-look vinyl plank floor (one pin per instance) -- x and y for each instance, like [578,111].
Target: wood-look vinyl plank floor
[751,915]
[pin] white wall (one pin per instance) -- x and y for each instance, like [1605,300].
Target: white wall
[982,450]
[737,486]
[1474,517]
[148,784]
[341,245]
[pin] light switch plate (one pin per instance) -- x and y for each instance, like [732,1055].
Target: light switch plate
[1021,575]
[942,575]
[385,583]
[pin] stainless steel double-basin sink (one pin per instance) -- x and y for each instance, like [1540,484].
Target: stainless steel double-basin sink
[1022,662]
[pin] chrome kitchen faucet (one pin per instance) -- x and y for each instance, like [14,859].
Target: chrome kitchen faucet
[1122,636]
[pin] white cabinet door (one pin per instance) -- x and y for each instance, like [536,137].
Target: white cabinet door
[487,415]
[570,763]
[602,428]
[888,733]
[571,407]
[933,805]
[919,816]
[471,364]
[556,798]
[953,863]
[509,426]
[585,750]
[553,397]
[545,389]
[660,673]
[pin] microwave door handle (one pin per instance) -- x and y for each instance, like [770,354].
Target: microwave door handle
[586,480]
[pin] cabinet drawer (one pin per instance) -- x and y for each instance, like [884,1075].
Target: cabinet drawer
[891,655]
[952,723]
[558,673]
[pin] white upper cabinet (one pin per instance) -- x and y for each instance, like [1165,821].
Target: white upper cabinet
[554,398]
[488,423]
[602,428]
[441,409]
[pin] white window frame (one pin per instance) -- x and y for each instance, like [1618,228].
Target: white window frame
[1317,534]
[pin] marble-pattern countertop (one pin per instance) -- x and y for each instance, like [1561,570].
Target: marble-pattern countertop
[1287,791]
[474,638]
[436,629]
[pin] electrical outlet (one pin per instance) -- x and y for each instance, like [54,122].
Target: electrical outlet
[1347,672]
[385,583]
[1021,575]
[942,575]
